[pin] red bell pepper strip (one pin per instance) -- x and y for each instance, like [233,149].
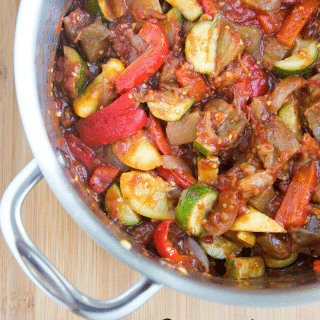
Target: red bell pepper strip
[296,20]
[209,7]
[82,152]
[165,248]
[272,23]
[102,177]
[310,147]
[120,119]
[181,178]
[161,141]
[293,209]
[187,77]
[149,62]
[316,266]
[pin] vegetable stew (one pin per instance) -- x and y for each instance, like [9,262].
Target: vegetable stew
[195,124]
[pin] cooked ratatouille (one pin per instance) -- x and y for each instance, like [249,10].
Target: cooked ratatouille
[196,126]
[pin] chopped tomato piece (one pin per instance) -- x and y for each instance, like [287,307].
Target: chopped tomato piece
[209,7]
[187,77]
[258,85]
[102,177]
[236,11]
[82,152]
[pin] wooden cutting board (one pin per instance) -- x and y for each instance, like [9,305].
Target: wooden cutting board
[80,259]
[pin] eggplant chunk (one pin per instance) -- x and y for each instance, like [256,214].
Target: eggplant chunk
[94,40]
[275,245]
[313,118]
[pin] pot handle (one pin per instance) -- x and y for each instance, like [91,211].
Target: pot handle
[40,270]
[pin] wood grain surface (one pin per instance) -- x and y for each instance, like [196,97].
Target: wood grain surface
[78,257]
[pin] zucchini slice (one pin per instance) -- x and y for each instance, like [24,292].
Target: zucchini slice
[203,148]
[190,9]
[274,263]
[299,63]
[79,68]
[141,155]
[289,114]
[220,247]
[170,112]
[147,195]
[201,45]
[245,239]
[108,10]
[117,208]
[256,221]
[244,268]
[90,99]
[193,205]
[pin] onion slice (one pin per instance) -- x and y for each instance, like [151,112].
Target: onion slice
[172,162]
[198,252]
[283,90]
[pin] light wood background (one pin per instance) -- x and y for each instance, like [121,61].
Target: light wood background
[79,258]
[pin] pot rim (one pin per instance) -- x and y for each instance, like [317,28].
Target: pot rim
[26,51]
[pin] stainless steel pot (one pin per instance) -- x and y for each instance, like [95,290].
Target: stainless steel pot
[35,41]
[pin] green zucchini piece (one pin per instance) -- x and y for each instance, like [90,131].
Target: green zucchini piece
[274,263]
[117,208]
[170,111]
[147,195]
[203,148]
[220,248]
[193,205]
[79,75]
[190,9]
[245,239]
[299,63]
[289,114]
[174,14]
[244,268]
[201,45]
[256,221]
[300,43]
[140,153]
[108,10]
[91,99]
